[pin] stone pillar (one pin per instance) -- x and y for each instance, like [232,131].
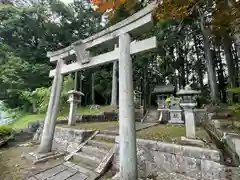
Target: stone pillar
[189,119]
[74,99]
[72,113]
[52,111]
[128,153]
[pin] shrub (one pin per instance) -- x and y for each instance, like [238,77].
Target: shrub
[5,131]
[235,107]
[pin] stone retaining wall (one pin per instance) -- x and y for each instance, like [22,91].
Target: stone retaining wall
[193,162]
[65,139]
[106,116]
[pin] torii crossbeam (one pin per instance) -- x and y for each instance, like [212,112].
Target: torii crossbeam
[135,24]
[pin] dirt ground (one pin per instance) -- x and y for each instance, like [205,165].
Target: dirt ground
[14,165]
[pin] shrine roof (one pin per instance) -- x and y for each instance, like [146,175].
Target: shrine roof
[164,89]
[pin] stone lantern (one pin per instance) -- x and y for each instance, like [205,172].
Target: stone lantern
[74,99]
[188,103]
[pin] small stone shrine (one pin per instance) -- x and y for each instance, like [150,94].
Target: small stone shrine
[74,99]
[163,92]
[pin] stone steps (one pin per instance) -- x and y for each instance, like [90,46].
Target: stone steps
[100,144]
[91,158]
[110,132]
[90,161]
[82,168]
[94,151]
[105,137]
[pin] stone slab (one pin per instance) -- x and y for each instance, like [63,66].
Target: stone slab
[64,174]
[68,164]
[50,172]
[78,177]
[193,142]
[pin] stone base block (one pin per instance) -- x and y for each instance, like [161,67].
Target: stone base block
[193,142]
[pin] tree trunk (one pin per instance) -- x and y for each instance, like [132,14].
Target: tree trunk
[230,66]
[236,30]
[182,80]
[75,81]
[199,66]
[145,71]
[210,68]
[93,89]
[220,70]
[114,85]
[80,82]
[80,88]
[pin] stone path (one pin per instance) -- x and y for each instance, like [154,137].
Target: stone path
[61,172]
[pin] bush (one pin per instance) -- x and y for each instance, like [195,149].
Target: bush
[5,131]
[235,107]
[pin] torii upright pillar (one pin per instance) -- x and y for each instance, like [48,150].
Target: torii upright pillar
[52,111]
[128,156]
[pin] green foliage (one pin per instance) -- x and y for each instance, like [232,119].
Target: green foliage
[5,131]
[26,118]
[27,33]
[10,114]
[41,95]
[234,90]
[235,107]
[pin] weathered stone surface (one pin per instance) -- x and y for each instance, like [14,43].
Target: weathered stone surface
[186,161]
[64,174]
[78,177]
[51,172]
[66,139]
[212,170]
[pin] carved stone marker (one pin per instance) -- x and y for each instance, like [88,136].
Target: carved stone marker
[176,116]
[175,112]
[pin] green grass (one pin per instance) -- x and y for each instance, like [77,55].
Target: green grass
[27,117]
[94,126]
[169,133]
[162,133]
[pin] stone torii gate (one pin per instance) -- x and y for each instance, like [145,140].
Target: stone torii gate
[80,51]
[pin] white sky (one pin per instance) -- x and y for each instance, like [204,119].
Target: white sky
[67,1]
